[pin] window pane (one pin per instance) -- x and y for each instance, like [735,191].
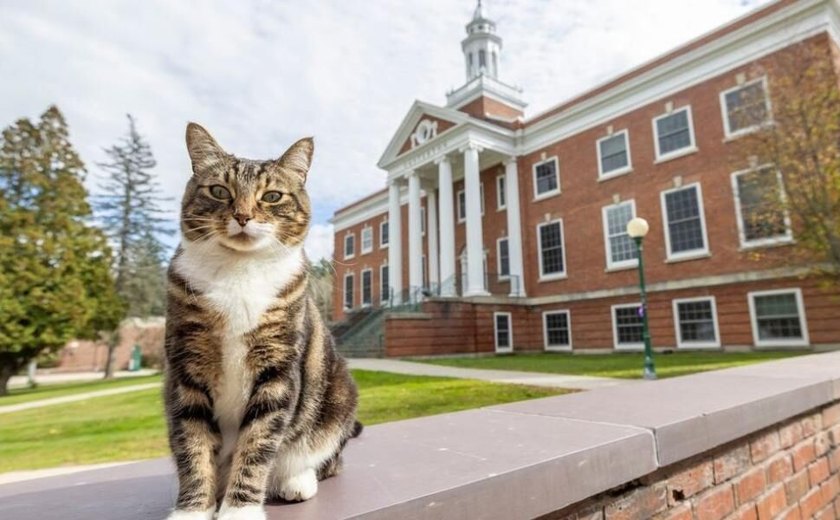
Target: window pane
[383,237]
[778,316]
[462,206]
[546,177]
[673,133]
[500,192]
[622,247]
[366,287]
[367,239]
[685,227]
[628,325]
[384,293]
[502,331]
[696,321]
[613,153]
[504,258]
[348,292]
[349,245]
[746,107]
[557,329]
[759,197]
[551,248]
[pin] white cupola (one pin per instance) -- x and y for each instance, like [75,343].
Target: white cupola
[482,47]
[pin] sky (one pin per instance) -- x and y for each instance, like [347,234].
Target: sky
[260,74]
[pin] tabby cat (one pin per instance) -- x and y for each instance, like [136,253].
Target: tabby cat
[259,404]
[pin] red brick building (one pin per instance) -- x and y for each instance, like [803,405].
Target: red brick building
[509,232]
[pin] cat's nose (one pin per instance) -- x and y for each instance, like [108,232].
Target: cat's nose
[242,219]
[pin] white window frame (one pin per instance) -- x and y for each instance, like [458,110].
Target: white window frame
[344,291]
[463,219]
[353,237]
[787,238]
[682,151]
[694,344]
[362,287]
[552,276]
[621,171]
[381,226]
[363,249]
[687,255]
[729,134]
[422,221]
[803,322]
[556,191]
[500,192]
[630,347]
[556,348]
[623,264]
[383,281]
[509,348]
[499,258]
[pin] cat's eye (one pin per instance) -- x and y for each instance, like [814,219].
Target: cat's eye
[272,196]
[220,192]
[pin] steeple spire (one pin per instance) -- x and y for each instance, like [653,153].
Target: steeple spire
[482,47]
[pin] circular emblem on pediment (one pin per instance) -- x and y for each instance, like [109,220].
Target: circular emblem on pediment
[424,132]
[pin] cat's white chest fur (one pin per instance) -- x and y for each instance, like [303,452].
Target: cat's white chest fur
[240,287]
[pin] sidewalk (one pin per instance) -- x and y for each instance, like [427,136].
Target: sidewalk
[75,397]
[74,377]
[494,376]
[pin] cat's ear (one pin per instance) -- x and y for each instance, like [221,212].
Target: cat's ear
[204,151]
[298,158]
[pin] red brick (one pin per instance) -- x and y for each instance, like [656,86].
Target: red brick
[779,468]
[834,435]
[715,504]
[811,503]
[643,502]
[747,512]
[803,453]
[830,488]
[797,486]
[765,446]
[811,424]
[750,485]
[827,513]
[690,481]
[818,471]
[731,463]
[792,513]
[822,443]
[834,460]
[681,512]
[831,415]
[790,434]
[771,503]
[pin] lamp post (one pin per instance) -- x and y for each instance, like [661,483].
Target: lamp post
[637,228]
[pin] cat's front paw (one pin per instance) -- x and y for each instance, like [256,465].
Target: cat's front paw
[299,488]
[241,513]
[191,515]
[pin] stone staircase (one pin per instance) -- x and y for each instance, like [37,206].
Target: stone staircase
[360,335]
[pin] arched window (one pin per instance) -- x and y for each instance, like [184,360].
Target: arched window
[495,64]
[482,59]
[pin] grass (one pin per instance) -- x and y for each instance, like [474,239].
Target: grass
[23,395]
[621,365]
[131,426]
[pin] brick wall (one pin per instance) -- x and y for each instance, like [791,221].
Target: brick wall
[789,471]
[92,355]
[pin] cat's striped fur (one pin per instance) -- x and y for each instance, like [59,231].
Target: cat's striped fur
[259,404]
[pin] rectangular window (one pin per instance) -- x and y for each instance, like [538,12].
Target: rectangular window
[367,240]
[628,326]
[383,234]
[422,220]
[503,331]
[695,320]
[745,107]
[367,287]
[674,134]
[348,291]
[552,257]
[685,225]
[557,329]
[384,287]
[424,271]
[778,318]
[349,246]
[614,154]
[503,255]
[621,251]
[758,201]
[546,178]
[501,202]
[461,203]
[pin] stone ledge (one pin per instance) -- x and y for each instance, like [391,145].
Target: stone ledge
[520,460]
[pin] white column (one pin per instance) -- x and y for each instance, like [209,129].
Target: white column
[432,237]
[415,238]
[395,242]
[514,228]
[447,227]
[475,241]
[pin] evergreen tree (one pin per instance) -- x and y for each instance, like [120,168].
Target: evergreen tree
[55,272]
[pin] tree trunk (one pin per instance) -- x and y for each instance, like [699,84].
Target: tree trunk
[6,373]
[111,360]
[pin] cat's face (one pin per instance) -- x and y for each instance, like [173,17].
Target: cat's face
[245,205]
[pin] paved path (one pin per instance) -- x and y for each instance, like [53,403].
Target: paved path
[495,376]
[74,377]
[75,397]
[20,476]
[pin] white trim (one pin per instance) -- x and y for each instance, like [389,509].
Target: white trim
[353,254]
[362,287]
[694,253]
[551,193]
[381,225]
[632,347]
[677,330]
[552,276]
[500,276]
[727,132]
[620,171]
[367,229]
[622,264]
[352,290]
[383,280]
[691,148]
[787,238]
[496,332]
[500,192]
[557,348]
[803,322]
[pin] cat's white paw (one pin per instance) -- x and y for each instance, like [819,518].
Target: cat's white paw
[241,513]
[192,515]
[300,487]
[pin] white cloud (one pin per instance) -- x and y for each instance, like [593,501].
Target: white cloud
[261,74]
[319,242]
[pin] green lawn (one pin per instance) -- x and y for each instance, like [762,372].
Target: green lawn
[623,365]
[22,395]
[131,426]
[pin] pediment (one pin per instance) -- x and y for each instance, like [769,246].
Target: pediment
[423,123]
